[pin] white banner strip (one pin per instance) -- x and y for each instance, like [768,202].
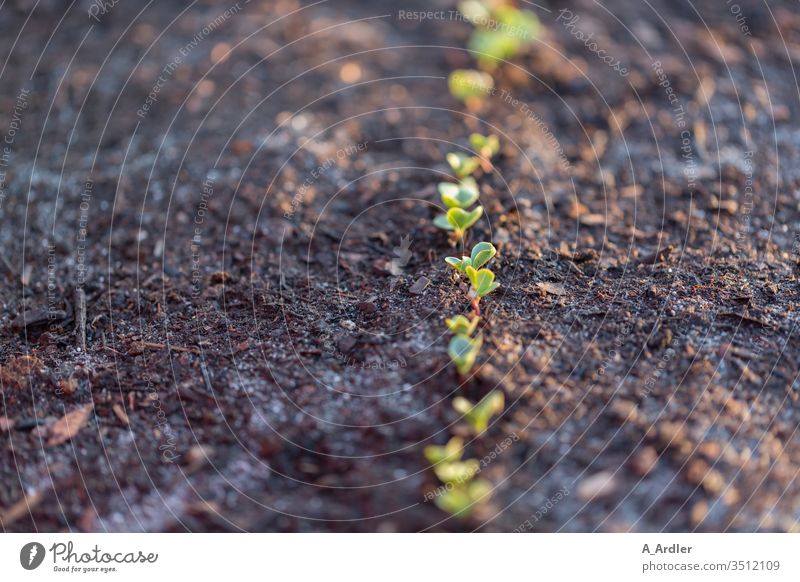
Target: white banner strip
[401,557]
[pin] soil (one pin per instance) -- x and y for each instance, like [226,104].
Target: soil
[211,281]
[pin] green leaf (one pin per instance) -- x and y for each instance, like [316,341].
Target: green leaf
[463,350]
[443,222]
[460,501]
[452,451]
[482,282]
[482,253]
[461,195]
[460,325]
[462,164]
[486,146]
[466,84]
[457,471]
[461,219]
[459,264]
[479,415]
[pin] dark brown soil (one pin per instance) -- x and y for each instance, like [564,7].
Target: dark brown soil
[252,363]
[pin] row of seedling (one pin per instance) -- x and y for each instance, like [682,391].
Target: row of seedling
[461,490]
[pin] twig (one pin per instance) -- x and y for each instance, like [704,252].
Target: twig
[80,318]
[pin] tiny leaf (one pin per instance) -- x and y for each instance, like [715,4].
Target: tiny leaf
[443,222]
[460,325]
[461,219]
[461,195]
[462,164]
[482,253]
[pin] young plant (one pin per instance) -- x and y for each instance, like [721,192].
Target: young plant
[511,32]
[482,284]
[487,148]
[461,195]
[460,325]
[458,220]
[463,350]
[460,500]
[470,86]
[482,253]
[462,164]
[452,451]
[478,415]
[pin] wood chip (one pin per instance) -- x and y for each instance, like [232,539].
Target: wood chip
[69,425]
[21,508]
[552,288]
[120,412]
[419,286]
[598,485]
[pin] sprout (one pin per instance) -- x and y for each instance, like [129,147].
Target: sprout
[457,471]
[512,30]
[463,350]
[479,415]
[461,195]
[462,164]
[450,452]
[482,283]
[487,148]
[458,220]
[460,325]
[470,86]
[461,499]
[481,254]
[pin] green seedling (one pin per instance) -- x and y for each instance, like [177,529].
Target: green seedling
[482,282]
[457,472]
[462,164]
[512,30]
[470,86]
[463,350]
[482,253]
[461,195]
[487,148]
[461,499]
[450,452]
[458,220]
[478,415]
[460,325]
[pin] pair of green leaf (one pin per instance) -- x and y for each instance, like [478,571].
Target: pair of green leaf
[460,500]
[482,282]
[462,164]
[460,325]
[513,30]
[478,415]
[458,220]
[482,253]
[469,84]
[486,146]
[461,195]
[463,351]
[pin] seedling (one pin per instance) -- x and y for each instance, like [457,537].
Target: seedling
[462,164]
[481,254]
[470,86]
[457,472]
[460,325]
[463,350]
[461,195]
[461,499]
[512,31]
[452,451]
[482,284]
[458,220]
[487,148]
[479,415]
